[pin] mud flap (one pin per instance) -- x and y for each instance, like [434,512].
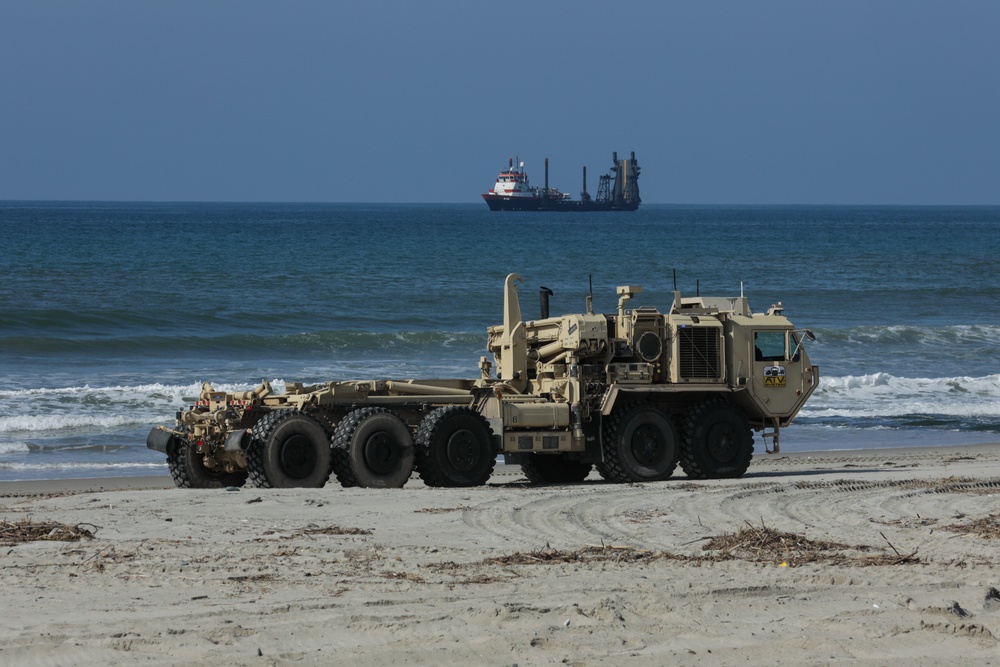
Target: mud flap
[159,440]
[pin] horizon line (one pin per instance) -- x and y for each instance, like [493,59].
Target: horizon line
[476,204]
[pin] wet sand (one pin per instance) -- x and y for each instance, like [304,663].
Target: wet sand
[877,557]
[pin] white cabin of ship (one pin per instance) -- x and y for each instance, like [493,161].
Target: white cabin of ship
[513,182]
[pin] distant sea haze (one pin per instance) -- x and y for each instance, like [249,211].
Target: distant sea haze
[113,314]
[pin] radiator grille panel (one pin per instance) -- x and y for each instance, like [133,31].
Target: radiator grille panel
[699,356]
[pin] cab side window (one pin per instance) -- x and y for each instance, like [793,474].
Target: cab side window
[769,346]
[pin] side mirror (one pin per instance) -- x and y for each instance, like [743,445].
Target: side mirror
[808,334]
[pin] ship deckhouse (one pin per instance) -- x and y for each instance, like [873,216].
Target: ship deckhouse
[513,182]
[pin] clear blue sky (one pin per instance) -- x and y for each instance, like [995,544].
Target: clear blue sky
[725,102]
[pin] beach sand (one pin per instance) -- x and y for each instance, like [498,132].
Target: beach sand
[875,557]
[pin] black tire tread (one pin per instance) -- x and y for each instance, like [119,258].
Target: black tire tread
[690,461]
[342,435]
[426,466]
[255,452]
[612,469]
[342,442]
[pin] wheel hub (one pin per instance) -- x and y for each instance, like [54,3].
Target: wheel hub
[463,450]
[721,444]
[647,446]
[298,458]
[381,453]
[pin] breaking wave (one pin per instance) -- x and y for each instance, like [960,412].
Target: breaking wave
[907,335]
[889,395]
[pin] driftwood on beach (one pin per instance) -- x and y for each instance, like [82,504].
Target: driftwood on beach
[26,530]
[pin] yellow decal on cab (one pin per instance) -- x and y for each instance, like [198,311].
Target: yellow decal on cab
[774,376]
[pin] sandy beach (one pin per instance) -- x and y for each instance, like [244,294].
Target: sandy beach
[876,557]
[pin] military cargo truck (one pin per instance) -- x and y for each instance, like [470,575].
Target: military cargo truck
[633,393]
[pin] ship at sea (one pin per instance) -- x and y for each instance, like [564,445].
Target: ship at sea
[617,191]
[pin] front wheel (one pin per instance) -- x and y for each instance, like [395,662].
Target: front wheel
[289,449]
[718,441]
[455,448]
[378,446]
[639,445]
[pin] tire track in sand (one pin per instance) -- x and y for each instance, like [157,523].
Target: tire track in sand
[677,516]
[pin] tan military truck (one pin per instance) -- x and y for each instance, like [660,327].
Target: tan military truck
[633,393]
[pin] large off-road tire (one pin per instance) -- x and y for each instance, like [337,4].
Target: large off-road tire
[554,469]
[718,441]
[454,447]
[288,449]
[378,447]
[640,445]
[187,467]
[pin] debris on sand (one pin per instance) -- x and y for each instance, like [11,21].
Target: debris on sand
[767,545]
[26,530]
[987,527]
[750,543]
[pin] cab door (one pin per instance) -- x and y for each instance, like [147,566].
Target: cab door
[782,375]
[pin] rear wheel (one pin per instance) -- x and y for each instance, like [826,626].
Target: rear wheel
[187,467]
[718,441]
[378,447]
[554,469]
[289,448]
[454,447]
[640,445]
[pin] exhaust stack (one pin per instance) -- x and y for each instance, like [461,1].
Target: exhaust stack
[543,302]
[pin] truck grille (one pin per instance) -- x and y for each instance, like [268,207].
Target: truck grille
[699,356]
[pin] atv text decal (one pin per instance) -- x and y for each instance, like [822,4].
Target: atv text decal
[774,376]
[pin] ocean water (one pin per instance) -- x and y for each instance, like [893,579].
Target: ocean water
[113,314]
